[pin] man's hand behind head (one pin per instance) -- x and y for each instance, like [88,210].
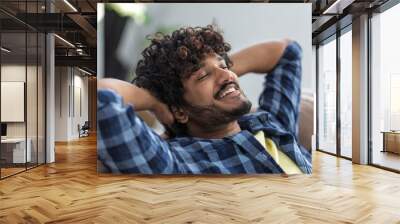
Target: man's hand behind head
[162,112]
[140,98]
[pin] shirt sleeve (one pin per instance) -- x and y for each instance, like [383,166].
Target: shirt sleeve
[125,143]
[282,87]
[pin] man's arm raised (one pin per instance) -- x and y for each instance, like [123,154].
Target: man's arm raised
[258,58]
[140,98]
[126,144]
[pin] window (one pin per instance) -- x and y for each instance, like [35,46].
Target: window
[327,97]
[385,89]
[346,94]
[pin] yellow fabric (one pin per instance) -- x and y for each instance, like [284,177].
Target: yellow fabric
[287,165]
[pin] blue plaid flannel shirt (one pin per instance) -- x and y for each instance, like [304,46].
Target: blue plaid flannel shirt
[127,145]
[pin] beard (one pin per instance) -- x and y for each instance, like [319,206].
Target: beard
[211,117]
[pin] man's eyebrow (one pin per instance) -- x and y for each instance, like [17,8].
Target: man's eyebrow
[219,58]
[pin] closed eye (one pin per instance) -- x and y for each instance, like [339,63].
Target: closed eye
[203,77]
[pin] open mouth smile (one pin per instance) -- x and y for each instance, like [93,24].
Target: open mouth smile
[228,90]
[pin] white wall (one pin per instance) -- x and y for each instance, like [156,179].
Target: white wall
[70,84]
[242,25]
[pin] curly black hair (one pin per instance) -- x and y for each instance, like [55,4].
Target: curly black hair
[172,58]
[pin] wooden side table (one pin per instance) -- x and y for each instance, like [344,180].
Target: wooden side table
[391,141]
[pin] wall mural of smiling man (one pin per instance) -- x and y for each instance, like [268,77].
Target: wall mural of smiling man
[188,80]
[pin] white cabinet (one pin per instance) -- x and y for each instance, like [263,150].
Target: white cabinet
[19,155]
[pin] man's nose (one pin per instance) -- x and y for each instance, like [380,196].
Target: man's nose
[225,75]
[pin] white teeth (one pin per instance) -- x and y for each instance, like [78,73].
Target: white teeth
[231,89]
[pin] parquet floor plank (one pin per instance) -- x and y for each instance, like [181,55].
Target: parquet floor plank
[70,191]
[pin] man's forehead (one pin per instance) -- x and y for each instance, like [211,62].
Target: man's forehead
[210,58]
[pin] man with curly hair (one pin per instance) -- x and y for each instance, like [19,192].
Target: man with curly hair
[191,84]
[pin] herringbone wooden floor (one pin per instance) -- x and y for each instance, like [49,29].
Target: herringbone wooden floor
[70,191]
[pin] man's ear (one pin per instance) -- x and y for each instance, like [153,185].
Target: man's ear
[180,115]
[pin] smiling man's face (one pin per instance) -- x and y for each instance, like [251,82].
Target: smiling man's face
[214,95]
